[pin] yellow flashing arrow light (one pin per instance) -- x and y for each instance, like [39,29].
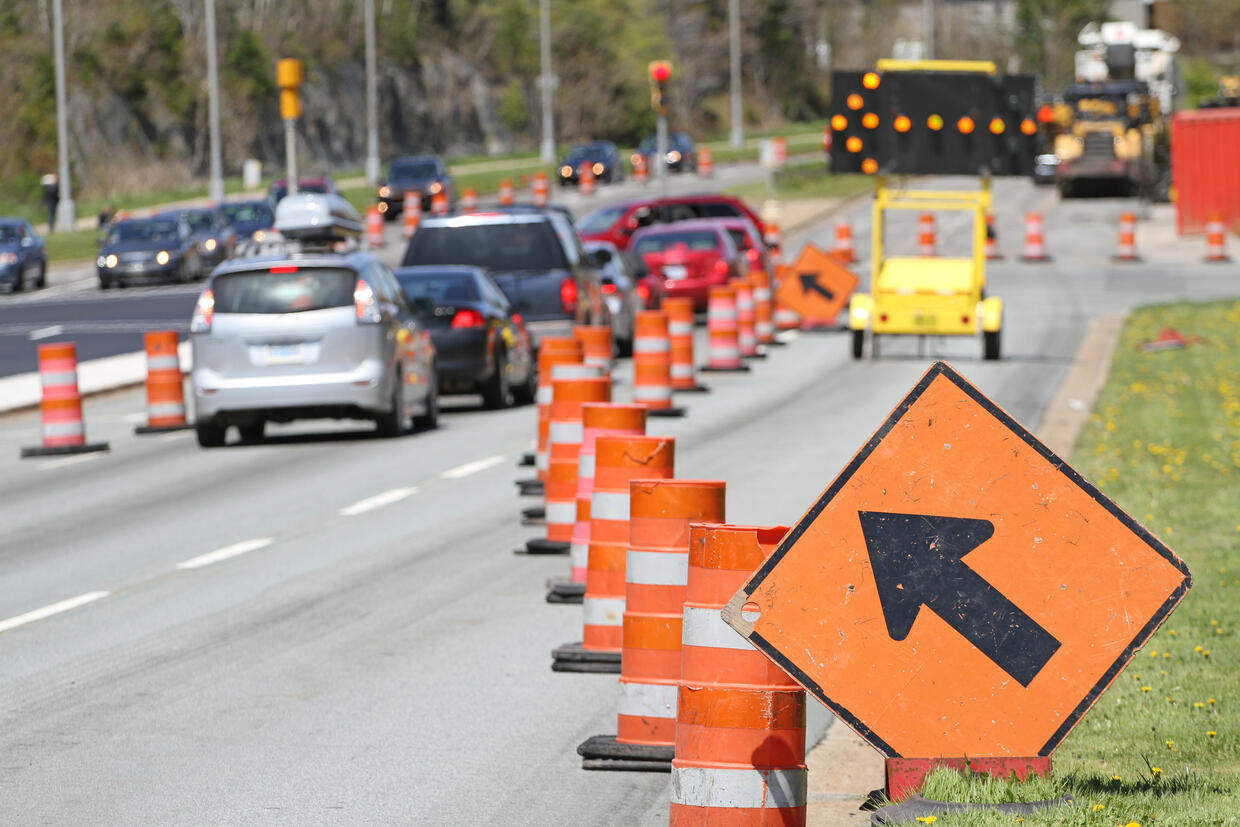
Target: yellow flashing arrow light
[839,123]
[997,126]
[869,120]
[935,122]
[870,80]
[855,101]
[869,166]
[965,125]
[902,123]
[853,144]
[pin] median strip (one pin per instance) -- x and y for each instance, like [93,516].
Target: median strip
[51,610]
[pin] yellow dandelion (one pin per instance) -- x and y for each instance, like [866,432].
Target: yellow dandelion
[1171,632]
[1199,649]
[1206,653]
[1116,778]
[927,819]
[1145,688]
[1169,699]
[1211,733]
[1153,653]
[1209,700]
[1215,622]
[1156,770]
[1099,808]
[1166,656]
[1199,705]
[1170,745]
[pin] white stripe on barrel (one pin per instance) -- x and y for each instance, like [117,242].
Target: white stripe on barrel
[651,346]
[705,627]
[648,700]
[738,788]
[603,611]
[656,568]
[609,505]
[561,513]
[565,433]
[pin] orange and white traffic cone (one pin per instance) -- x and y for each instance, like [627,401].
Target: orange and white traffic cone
[469,200]
[660,512]
[1126,250]
[439,203]
[844,249]
[992,240]
[564,435]
[746,319]
[374,228]
[772,235]
[596,347]
[540,189]
[763,310]
[926,245]
[64,431]
[617,462]
[585,179]
[740,720]
[705,162]
[1035,242]
[723,331]
[165,387]
[652,364]
[551,351]
[680,332]
[598,419]
[506,198]
[640,173]
[411,213]
[1216,239]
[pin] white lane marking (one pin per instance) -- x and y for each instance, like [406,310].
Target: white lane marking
[377,501]
[472,467]
[63,461]
[226,553]
[53,609]
[46,332]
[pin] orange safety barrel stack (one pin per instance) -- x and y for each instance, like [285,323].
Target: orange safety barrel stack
[705,162]
[598,419]
[763,307]
[740,720]
[560,350]
[596,347]
[540,189]
[374,227]
[506,198]
[564,433]
[1216,239]
[723,331]
[992,240]
[844,249]
[585,179]
[1126,250]
[439,203]
[618,460]
[1035,241]
[64,431]
[652,364]
[469,200]
[640,173]
[656,575]
[746,319]
[165,388]
[411,213]
[926,245]
[680,334]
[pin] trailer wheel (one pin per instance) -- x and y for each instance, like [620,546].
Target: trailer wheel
[990,345]
[858,343]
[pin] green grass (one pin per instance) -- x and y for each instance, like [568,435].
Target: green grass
[1162,745]
[806,181]
[75,246]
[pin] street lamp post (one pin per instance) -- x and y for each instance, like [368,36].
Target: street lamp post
[215,186]
[546,82]
[372,100]
[734,47]
[66,215]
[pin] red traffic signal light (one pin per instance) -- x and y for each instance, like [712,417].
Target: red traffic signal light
[660,71]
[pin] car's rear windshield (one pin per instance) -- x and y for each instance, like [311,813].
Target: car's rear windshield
[132,231]
[262,291]
[249,213]
[441,288]
[601,220]
[657,243]
[414,169]
[503,247]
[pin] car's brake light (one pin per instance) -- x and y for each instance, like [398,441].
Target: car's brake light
[468,317]
[721,266]
[643,292]
[517,319]
[365,303]
[284,268]
[752,255]
[568,295]
[609,289]
[204,312]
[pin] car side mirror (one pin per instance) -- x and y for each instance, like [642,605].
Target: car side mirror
[600,258]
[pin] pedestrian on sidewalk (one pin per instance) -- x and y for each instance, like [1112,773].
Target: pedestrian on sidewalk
[51,194]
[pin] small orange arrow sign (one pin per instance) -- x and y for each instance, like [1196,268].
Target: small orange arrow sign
[816,286]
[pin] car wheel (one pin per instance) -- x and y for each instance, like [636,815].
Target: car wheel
[19,281]
[990,345]
[858,344]
[184,274]
[429,420]
[253,431]
[496,392]
[392,423]
[210,434]
[105,283]
[624,347]
[42,282]
[527,391]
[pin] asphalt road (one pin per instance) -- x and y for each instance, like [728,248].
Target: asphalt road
[330,628]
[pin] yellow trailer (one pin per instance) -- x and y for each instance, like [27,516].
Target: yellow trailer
[927,296]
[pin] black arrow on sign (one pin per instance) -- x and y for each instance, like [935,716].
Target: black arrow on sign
[917,561]
[809,283]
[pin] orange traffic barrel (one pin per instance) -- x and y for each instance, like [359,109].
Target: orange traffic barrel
[746,319]
[165,387]
[844,249]
[558,350]
[723,331]
[439,203]
[640,173]
[469,200]
[772,236]
[763,307]
[705,162]
[652,364]
[596,347]
[680,334]
[656,575]
[537,487]
[926,245]
[740,720]
[540,189]
[992,240]
[64,431]
[374,227]
[1126,250]
[506,198]
[1035,240]
[585,179]
[598,419]
[572,387]
[618,460]
[411,213]
[1216,239]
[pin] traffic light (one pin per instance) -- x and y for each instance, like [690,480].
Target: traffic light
[932,118]
[660,74]
[288,78]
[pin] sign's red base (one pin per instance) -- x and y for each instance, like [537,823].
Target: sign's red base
[905,776]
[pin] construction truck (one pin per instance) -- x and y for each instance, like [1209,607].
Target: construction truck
[1111,129]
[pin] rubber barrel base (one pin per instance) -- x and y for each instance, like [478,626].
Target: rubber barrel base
[604,752]
[738,369]
[539,546]
[161,429]
[64,450]
[565,591]
[668,413]
[694,389]
[573,657]
[531,488]
[526,461]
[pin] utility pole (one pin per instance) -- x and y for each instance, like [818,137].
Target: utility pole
[547,82]
[66,215]
[734,47]
[215,186]
[372,100]
[928,29]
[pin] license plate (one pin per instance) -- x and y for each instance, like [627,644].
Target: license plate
[925,319]
[285,354]
[674,272]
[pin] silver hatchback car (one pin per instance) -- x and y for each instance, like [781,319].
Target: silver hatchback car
[309,333]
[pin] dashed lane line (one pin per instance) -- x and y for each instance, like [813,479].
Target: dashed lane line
[51,610]
[377,501]
[226,553]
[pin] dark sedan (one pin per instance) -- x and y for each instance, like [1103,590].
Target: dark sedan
[602,157]
[425,174]
[210,239]
[681,153]
[23,259]
[145,249]
[248,217]
[481,342]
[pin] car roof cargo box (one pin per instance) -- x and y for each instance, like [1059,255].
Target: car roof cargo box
[318,217]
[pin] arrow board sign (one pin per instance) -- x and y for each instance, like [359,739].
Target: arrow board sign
[959,590]
[816,286]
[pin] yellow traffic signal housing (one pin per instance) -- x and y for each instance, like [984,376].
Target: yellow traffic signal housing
[289,78]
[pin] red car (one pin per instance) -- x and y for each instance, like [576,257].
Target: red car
[690,256]
[748,240]
[618,223]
